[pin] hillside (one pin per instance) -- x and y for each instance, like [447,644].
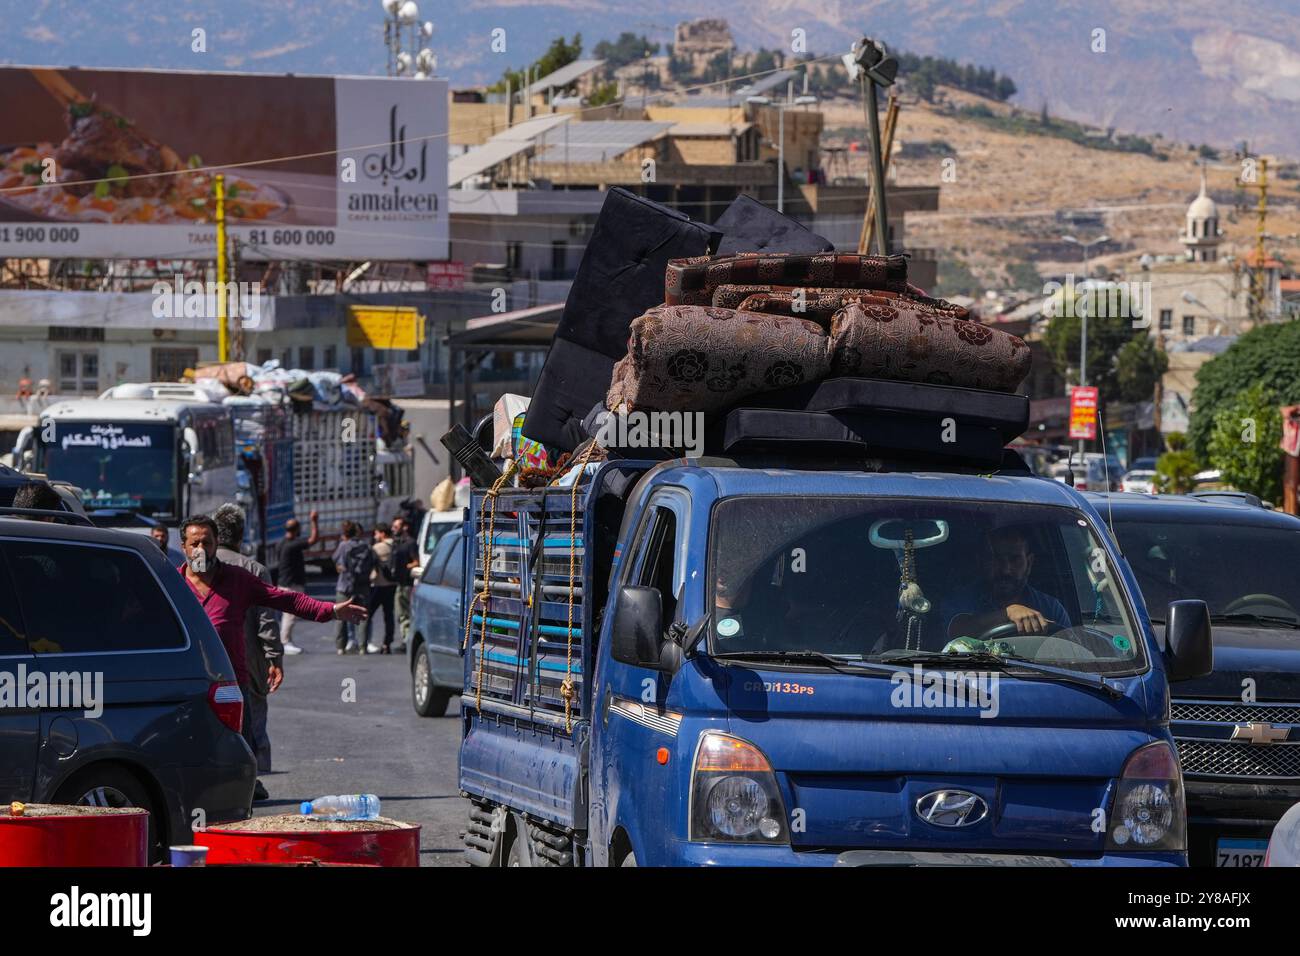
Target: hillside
[1188,69]
[1010,186]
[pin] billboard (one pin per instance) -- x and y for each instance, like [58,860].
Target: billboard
[1083,412]
[120,164]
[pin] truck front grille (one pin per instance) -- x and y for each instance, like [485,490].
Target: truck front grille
[1208,758]
[1231,712]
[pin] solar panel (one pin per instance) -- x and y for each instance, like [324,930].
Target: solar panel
[565,75]
[599,140]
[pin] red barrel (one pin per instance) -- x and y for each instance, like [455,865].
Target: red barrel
[391,846]
[67,836]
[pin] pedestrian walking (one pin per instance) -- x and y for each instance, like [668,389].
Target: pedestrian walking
[382,590]
[261,643]
[405,561]
[353,560]
[291,571]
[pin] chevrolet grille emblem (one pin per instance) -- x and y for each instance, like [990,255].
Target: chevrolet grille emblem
[1261,734]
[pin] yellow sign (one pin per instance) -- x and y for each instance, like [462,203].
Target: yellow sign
[385,327]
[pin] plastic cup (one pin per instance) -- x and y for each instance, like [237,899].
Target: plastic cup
[189,855]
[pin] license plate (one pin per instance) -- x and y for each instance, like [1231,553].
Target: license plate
[1240,852]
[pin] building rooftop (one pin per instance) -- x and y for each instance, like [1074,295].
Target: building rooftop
[708,130]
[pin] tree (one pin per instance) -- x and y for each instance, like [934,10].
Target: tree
[1108,334]
[718,67]
[923,85]
[604,94]
[628,48]
[1176,467]
[1268,355]
[1244,443]
[557,55]
[764,60]
[1138,366]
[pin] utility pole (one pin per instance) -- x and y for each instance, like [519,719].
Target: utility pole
[1088,297]
[223,346]
[780,160]
[1258,275]
[238,352]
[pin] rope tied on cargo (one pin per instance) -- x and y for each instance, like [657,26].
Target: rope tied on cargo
[566,687]
[488,532]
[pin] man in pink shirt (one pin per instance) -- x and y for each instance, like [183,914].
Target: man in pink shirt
[227,592]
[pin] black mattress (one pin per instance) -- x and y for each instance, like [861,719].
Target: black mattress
[873,417]
[749,226]
[621,275]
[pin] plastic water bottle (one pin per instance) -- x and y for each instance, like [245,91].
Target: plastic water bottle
[352,806]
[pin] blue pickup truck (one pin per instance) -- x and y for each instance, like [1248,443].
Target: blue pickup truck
[792,653]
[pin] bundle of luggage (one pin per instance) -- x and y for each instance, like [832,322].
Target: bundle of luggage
[759,337]
[667,314]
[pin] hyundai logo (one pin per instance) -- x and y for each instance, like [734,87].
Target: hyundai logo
[952,808]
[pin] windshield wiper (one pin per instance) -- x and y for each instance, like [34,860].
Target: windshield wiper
[1004,661]
[1270,620]
[786,657]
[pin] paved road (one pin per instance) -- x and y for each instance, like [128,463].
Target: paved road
[322,743]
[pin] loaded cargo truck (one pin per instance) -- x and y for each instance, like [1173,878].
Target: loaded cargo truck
[340,471]
[835,639]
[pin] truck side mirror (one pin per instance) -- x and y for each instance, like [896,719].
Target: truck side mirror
[638,630]
[1189,649]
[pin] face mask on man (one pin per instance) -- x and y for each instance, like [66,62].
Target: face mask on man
[198,560]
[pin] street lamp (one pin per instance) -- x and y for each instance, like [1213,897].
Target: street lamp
[804,100]
[1083,330]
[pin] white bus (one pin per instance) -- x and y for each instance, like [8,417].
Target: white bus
[160,457]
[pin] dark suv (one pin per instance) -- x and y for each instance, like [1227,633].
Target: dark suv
[137,702]
[1238,729]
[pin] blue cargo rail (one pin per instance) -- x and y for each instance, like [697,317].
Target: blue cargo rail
[525,646]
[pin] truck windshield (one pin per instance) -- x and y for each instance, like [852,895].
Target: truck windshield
[1245,574]
[866,579]
[115,465]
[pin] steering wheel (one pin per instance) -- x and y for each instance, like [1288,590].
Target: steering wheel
[1009,629]
[1246,600]
[998,631]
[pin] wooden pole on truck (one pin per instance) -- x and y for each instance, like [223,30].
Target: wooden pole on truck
[866,236]
[223,344]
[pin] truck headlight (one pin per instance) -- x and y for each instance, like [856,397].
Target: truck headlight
[734,796]
[1149,812]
